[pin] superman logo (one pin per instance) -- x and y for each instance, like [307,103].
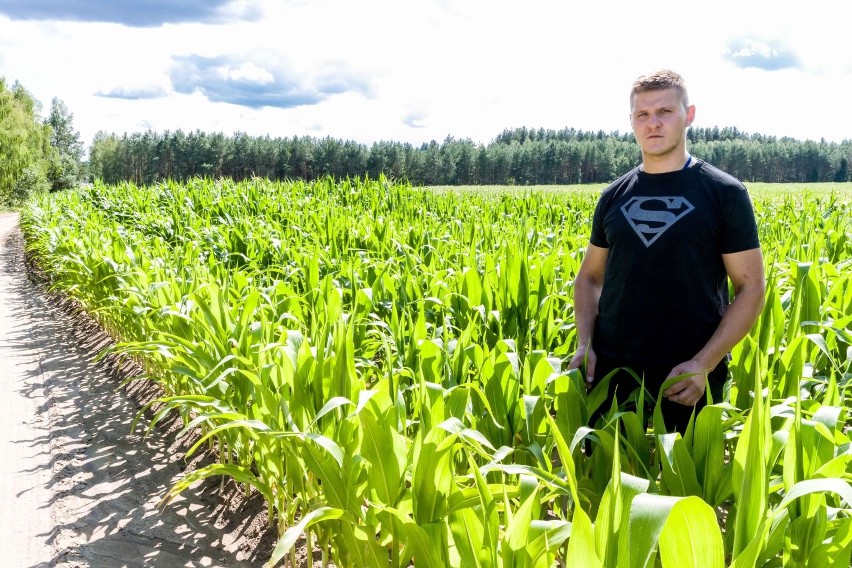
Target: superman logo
[650,217]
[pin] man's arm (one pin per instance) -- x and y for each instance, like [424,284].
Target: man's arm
[587,294]
[745,269]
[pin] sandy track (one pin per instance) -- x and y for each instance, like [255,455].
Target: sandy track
[78,488]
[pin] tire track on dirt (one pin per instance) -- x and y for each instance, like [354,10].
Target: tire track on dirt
[25,520]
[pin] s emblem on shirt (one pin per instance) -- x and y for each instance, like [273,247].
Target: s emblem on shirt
[650,217]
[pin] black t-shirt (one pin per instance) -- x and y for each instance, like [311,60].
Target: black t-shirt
[665,287]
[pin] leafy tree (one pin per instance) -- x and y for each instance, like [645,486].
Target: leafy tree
[102,157]
[24,144]
[64,167]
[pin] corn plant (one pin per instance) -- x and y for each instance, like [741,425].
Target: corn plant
[385,365]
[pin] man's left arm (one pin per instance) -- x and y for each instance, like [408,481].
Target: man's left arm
[745,269]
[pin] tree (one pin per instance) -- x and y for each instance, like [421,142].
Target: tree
[24,143]
[106,158]
[842,173]
[64,166]
[522,156]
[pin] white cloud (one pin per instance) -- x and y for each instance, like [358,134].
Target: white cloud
[756,48]
[425,70]
[248,72]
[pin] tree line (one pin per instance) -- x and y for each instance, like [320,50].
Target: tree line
[45,154]
[36,154]
[519,156]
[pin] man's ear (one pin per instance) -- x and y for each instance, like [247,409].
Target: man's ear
[690,114]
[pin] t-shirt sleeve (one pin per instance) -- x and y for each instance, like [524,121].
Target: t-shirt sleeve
[740,229]
[598,237]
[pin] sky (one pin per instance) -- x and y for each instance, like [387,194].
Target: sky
[417,71]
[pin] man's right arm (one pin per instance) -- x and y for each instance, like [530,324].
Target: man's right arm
[587,294]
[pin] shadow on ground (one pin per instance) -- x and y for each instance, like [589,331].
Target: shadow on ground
[106,480]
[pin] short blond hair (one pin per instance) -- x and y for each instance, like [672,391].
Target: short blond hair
[658,81]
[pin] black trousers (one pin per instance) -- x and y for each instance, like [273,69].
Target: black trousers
[623,384]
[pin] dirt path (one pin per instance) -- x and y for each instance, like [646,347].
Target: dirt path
[77,487]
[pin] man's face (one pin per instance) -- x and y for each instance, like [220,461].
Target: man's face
[659,121]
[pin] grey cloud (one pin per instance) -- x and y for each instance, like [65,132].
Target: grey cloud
[770,55]
[415,119]
[133,93]
[336,78]
[261,80]
[130,13]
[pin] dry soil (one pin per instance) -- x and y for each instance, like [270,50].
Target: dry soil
[79,489]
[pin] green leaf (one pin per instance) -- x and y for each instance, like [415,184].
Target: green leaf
[468,531]
[385,449]
[291,536]
[750,480]
[691,537]
[581,546]
[708,448]
[678,469]
[516,542]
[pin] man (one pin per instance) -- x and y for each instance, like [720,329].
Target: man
[652,292]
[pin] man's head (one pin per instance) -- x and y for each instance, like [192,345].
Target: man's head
[660,113]
[657,81]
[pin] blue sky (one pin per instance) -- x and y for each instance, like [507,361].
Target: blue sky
[416,71]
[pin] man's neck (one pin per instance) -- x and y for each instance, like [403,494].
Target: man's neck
[662,164]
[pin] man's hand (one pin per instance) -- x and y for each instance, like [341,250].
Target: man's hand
[585,356]
[587,294]
[745,269]
[689,390]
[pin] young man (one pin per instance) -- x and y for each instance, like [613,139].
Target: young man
[652,291]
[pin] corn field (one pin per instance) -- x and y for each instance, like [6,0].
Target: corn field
[386,366]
